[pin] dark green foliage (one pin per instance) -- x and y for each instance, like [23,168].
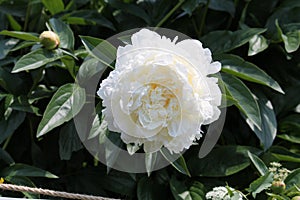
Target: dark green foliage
[256,41]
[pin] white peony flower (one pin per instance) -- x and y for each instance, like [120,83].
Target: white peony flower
[221,193]
[159,93]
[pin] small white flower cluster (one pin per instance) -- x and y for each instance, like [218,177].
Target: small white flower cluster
[223,193]
[280,173]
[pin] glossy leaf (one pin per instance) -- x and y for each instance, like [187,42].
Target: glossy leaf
[221,161]
[228,40]
[257,44]
[258,163]
[65,104]
[237,66]
[291,39]
[245,100]
[99,127]
[25,170]
[89,68]
[260,184]
[21,35]
[64,33]
[69,141]
[268,130]
[36,59]
[100,49]
[178,162]
[54,6]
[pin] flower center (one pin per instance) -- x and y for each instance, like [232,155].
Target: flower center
[152,106]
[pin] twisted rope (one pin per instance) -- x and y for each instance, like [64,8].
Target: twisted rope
[19,188]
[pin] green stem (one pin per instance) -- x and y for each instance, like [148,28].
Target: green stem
[195,27]
[6,142]
[27,15]
[203,18]
[168,15]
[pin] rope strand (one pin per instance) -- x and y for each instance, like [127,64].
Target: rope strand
[19,188]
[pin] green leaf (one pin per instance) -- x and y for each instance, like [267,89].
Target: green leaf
[224,41]
[99,127]
[25,170]
[291,39]
[13,23]
[221,161]
[222,5]
[90,42]
[218,5]
[100,49]
[237,66]
[260,184]
[16,84]
[64,33]
[293,179]
[278,196]
[36,59]
[6,45]
[89,68]
[258,163]
[21,35]
[268,130]
[5,157]
[290,138]
[245,100]
[287,12]
[117,182]
[22,45]
[131,9]
[283,154]
[23,181]
[65,104]
[87,17]
[69,141]
[181,190]
[21,103]
[257,44]
[179,164]
[54,6]
[9,126]
[290,125]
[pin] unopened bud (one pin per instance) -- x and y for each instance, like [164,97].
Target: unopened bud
[278,187]
[49,40]
[296,198]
